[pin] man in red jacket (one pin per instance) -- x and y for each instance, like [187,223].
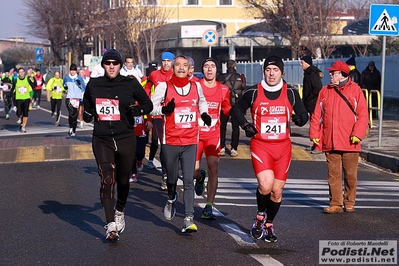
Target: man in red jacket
[342,108]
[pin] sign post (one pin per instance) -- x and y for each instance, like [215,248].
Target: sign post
[210,37]
[382,22]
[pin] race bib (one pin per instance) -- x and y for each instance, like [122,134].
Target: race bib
[58,89]
[205,128]
[185,117]
[22,90]
[272,129]
[5,87]
[74,102]
[138,120]
[107,109]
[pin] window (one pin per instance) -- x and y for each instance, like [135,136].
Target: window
[225,2]
[192,2]
[149,2]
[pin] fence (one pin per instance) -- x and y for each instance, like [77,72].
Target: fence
[294,73]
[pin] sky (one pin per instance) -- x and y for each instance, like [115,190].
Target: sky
[12,21]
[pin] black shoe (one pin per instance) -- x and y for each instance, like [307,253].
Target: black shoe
[257,230]
[200,183]
[270,235]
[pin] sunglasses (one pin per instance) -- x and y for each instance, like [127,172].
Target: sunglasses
[107,63]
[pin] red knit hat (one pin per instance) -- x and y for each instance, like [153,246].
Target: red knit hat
[339,66]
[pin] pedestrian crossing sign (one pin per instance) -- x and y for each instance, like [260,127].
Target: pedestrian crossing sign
[384,20]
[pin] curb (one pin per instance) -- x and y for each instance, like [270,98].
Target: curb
[382,160]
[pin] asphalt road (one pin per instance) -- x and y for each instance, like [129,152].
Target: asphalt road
[50,214]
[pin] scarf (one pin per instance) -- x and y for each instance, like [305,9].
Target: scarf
[179,82]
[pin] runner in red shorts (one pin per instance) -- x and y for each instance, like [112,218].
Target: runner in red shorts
[217,96]
[272,105]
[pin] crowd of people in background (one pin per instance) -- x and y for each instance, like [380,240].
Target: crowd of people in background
[184,116]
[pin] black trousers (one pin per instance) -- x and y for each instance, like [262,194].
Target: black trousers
[114,161]
[235,135]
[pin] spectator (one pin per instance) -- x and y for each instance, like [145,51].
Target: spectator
[371,80]
[236,83]
[341,115]
[311,87]
[354,74]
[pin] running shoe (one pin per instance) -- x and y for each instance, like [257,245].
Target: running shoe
[112,232]
[133,178]
[57,124]
[151,165]
[19,121]
[73,134]
[270,235]
[38,107]
[257,230]
[233,153]
[139,166]
[170,209]
[23,130]
[52,115]
[70,132]
[164,186]
[222,152]
[7,116]
[119,221]
[200,183]
[207,213]
[188,225]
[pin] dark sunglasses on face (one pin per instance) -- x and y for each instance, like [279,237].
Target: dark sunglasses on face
[107,63]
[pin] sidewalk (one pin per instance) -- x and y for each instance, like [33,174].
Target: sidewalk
[385,156]
[39,149]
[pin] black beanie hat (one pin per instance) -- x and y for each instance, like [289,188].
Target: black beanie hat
[274,60]
[207,60]
[73,67]
[112,54]
[351,61]
[307,59]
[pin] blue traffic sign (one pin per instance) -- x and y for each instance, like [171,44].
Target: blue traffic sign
[210,37]
[384,20]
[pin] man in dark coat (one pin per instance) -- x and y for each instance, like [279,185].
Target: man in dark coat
[311,87]
[371,80]
[354,74]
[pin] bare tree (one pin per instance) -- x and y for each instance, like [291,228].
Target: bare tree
[66,24]
[307,21]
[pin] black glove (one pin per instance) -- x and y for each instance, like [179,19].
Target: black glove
[135,110]
[87,116]
[297,119]
[78,82]
[250,130]
[170,107]
[207,119]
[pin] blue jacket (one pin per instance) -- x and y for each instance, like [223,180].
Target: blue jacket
[75,86]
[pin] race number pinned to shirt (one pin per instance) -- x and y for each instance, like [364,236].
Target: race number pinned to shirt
[205,128]
[5,87]
[185,117]
[74,102]
[272,128]
[22,90]
[138,120]
[107,109]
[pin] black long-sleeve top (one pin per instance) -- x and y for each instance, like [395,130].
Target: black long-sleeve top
[121,88]
[249,96]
